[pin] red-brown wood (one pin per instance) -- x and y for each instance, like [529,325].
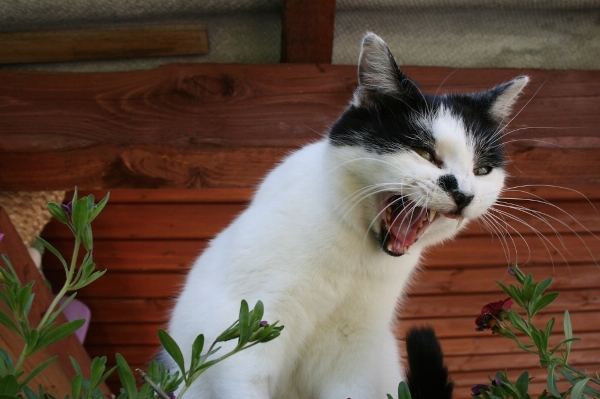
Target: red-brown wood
[198,126]
[307,31]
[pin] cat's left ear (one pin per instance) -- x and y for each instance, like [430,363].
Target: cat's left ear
[503,97]
[379,74]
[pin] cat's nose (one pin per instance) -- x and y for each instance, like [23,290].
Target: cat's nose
[449,184]
[461,199]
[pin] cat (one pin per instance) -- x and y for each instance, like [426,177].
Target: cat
[333,235]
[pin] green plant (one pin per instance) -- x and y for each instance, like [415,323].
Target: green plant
[78,215]
[18,298]
[531,297]
[249,330]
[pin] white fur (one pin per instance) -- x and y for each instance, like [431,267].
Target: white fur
[305,247]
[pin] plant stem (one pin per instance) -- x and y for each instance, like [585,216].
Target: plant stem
[65,287]
[155,387]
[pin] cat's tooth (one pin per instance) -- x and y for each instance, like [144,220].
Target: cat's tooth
[431,215]
[460,222]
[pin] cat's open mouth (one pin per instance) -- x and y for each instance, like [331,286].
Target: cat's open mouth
[402,223]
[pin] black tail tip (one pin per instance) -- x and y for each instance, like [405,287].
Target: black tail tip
[427,375]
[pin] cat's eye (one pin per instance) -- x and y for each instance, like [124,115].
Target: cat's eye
[482,170]
[423,153]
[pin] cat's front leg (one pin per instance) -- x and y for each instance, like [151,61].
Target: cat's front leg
[364,369]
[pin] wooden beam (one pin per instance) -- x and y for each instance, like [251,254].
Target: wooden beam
[107,43]
[307,31]
[198,126]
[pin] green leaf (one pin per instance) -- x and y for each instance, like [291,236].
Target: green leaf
[30,393]
[126,377]
[551,382]
[543,302]
[6,359]
[541,287]
[196,351]
[76,365]
[86,237]
[55,252]
[403,391]
[517,321]
[76,385]
[98,207]
[57,211]
[96,369]
[66,301]
[577,391]
[38,369]
[244,326]
[57,334]
[522,384]
[9,385]
[79,216]
[7,321]
[568,328]
[257,313]
[172,349]
[75,198]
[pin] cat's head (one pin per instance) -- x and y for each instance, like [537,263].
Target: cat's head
[417,165]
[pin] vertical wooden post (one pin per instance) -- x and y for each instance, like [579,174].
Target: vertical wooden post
[307,31]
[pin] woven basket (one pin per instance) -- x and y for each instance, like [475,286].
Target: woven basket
[27,211]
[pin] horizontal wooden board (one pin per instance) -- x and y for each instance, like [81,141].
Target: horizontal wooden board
[472,252]
[433,282]
[105,43]
[243,195]
[191,126]
[190,220]
[156,310]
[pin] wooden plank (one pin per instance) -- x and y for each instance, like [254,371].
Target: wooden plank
[190,126]
[307,31]
[153,309]
[457,327]
[13,247]
[177,256]
[176,221]
[433,282]
[174,196]
[104,43]
[244,195]
[190,220]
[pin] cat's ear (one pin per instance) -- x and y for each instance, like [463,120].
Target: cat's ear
[503,97]
[378,73]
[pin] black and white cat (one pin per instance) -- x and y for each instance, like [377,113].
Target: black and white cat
[334,233]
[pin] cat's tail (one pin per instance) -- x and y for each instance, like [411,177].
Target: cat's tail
[427,376]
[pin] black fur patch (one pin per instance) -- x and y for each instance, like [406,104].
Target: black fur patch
[427,375]
[387,124]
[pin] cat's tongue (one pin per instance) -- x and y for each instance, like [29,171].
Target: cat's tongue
[405,228]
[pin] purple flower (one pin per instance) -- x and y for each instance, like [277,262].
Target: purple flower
[478,388]
[263,323]
[171,395]
[497,381]
[1,236]
[68,207]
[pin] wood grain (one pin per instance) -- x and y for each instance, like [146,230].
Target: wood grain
[199,126]
[154,240]
[307,31]
[105,43]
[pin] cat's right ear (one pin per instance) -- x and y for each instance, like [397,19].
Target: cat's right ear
[379,74]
